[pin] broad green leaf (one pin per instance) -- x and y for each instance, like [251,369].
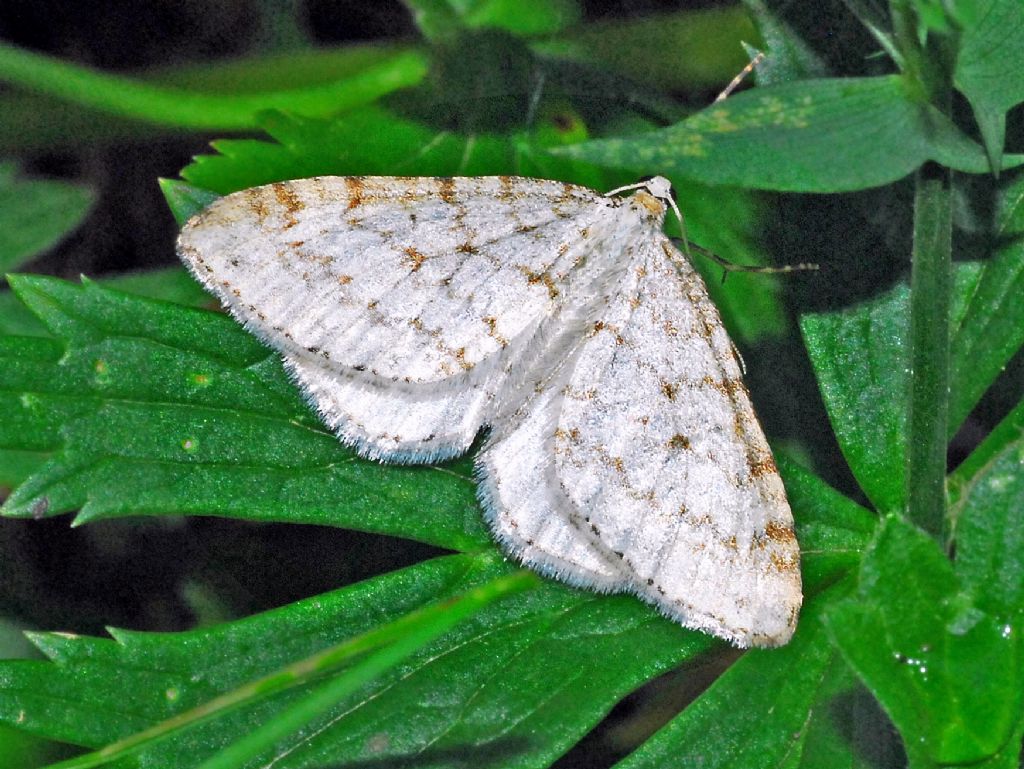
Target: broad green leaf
[990,67]
[35,214]
[152,408]
[832,529]
[807,136]
[755,713]
[927,654]
[516,685]
[859,356]
[988,495]
[989,326]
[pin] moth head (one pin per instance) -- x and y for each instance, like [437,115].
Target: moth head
[659,187]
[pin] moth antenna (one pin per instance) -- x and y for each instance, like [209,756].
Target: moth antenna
[735,82]
[733,267]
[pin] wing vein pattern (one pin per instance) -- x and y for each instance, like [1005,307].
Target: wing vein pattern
[624,454]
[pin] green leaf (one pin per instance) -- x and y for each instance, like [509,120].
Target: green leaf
[927,654]
[364,658]
[520,17]
[832,529]
[708,41]
[172,284]
[367,141]
[788,56]
[479,692]
[34,121]
[987,493]
[846,726]
[989,327]
[860,358]
[35,215]
[183,108]
[376,140]
[754,714]
[808,136]
[155,409]
[990,67]
[184,200]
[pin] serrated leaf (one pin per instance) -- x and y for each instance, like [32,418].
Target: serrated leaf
[184,200]
[477,693]
[927,654]
[36,214]
[375,141]
[155,409]
[808,136]
[990,67]
[370,141]
[172,284]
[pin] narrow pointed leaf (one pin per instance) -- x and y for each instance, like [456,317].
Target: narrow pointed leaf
[990,67]
[989,328]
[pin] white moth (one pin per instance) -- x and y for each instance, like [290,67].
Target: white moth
[623,454]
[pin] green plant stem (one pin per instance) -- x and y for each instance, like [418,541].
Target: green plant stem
[929,350]
[390,644]
[182,108]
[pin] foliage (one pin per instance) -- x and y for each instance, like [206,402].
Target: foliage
[118,402]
